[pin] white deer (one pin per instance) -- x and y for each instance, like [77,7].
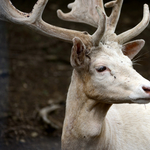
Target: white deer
[103,78]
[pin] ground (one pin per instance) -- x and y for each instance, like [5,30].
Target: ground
[35,72]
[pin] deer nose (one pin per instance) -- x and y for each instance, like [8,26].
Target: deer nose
[146,89]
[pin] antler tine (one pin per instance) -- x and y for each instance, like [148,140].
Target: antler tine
[114,17]
[82,11]
[126,36]
[33,20]
[9,12]
[38,9]
[97,36]
[101,4]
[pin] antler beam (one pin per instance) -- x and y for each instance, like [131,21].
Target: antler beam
[34,20]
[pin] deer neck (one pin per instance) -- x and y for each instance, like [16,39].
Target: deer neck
[85,118]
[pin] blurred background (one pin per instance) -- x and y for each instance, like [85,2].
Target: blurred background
[35,73]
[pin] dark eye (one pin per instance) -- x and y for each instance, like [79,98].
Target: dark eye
[101,69]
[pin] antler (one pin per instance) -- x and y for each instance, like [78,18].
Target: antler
[90,17]
[34,20]
[113,20]
[126,36]
[82,11]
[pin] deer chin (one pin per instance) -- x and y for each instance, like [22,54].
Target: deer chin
[141,100]
[144,98]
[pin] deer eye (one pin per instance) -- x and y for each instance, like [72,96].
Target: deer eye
[101,69]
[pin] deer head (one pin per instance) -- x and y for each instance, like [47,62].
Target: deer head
[106,69]
[104,56]
[107,73]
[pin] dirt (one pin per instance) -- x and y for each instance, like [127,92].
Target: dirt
[35,71]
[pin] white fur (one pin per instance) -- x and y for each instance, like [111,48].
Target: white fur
[94,120]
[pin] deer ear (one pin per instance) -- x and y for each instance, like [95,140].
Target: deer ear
[132,48]
[78,52]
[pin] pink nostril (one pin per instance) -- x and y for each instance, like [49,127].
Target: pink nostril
[146,89]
